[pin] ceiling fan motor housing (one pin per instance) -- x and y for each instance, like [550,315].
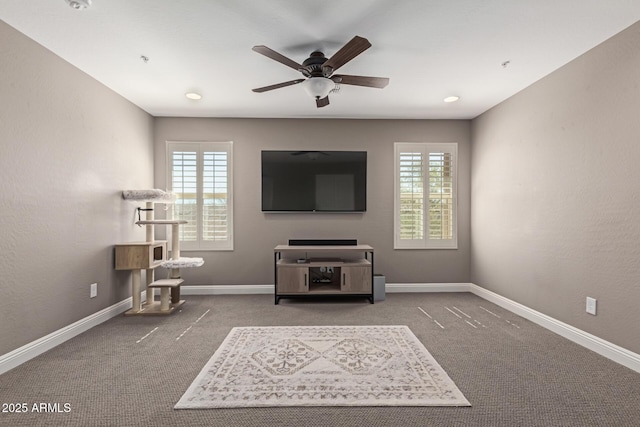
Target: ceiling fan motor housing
[312,66]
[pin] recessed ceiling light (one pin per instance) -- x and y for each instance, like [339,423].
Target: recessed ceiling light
[451,98]
[193,95]
[79,4]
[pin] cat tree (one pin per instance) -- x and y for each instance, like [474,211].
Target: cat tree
[148,255]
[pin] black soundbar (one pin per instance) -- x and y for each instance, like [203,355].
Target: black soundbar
[323,242]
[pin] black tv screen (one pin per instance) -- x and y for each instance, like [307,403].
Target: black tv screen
[314,181]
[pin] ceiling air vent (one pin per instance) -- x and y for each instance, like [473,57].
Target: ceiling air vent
[79,4]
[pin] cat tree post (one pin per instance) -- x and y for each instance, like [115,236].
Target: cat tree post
[149,217]
[150,277]
[175,254]
[136,305]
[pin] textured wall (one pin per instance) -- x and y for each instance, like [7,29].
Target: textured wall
[556,193]
[68,147]
[256,233]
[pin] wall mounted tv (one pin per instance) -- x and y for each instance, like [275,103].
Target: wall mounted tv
[314,181]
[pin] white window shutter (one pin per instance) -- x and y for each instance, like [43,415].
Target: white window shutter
[425,211]
[200,173]
[184,185]
[215,200]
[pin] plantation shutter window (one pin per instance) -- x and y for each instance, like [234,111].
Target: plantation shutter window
[411,195]
[425,210]
[184,185]
[200,176]
[440,196]
[214,197]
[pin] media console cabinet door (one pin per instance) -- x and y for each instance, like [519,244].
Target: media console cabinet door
[293,280]
[356,279]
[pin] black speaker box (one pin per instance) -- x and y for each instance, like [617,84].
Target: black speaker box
[323,242]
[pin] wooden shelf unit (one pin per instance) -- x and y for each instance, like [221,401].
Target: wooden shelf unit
[322,275]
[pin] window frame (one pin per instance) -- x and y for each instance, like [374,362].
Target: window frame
[200,147]
[426,242]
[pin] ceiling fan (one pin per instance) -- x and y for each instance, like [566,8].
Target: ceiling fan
[318,70]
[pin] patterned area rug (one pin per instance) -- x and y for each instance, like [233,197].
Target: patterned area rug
[321,366]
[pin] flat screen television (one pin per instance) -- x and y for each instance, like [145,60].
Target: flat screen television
[314,181]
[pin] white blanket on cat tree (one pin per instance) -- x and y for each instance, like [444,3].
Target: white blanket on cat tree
[183,262]
[155,195]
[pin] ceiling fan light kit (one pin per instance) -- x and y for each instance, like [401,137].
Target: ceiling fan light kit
[318,70]
[318,87]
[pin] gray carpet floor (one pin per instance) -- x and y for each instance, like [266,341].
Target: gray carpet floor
[130,371]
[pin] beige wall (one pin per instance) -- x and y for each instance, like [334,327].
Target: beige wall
[68,147]
[556,193]
[256,233]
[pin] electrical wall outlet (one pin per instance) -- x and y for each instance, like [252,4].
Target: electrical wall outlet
[591,305]
[93,290]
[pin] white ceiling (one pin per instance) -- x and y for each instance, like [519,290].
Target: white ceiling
[429,49]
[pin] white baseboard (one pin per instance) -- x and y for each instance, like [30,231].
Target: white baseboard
[604,348]
[600,346]
[268,289]
[426,287]
[35,348]
[226,289]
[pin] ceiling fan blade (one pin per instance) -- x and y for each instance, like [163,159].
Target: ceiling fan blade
[322,102]
[353,48]
[270,53]
[377,82]
[277,86]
